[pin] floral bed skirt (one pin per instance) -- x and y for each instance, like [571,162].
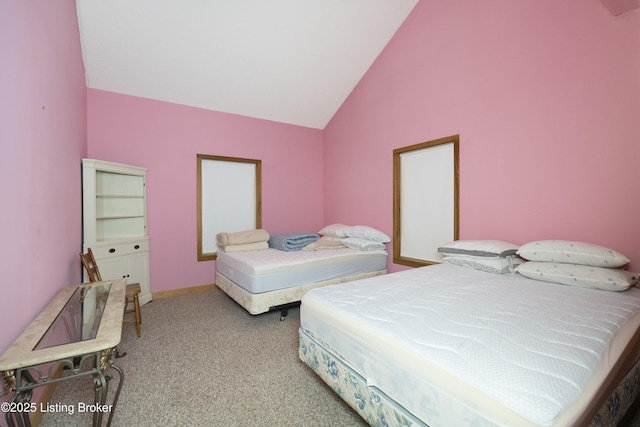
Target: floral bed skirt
[372,405]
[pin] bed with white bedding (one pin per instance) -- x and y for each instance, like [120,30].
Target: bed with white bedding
[271,279]
[446,345]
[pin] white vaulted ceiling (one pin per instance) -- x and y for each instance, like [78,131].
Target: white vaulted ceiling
[291,61]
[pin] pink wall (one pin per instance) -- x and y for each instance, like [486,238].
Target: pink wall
[165,138]
[42,139]
[545,96]
[546,99]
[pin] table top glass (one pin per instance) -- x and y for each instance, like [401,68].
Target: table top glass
[30,348]
[80,317]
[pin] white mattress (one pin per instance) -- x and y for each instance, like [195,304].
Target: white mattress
[272,269]
[456,346]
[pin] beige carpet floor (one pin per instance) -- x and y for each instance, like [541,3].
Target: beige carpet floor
[202,360]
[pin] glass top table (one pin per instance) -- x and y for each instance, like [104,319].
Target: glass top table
[82,323]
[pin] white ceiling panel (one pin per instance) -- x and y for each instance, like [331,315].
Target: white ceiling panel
[291,61]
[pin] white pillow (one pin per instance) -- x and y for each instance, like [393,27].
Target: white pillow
[369,233]
[487,248]
[572,253]
[495,265]
[334,230]
[362,244]
[584,276]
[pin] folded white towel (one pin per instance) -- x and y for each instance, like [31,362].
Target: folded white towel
[242,237]
[255,246]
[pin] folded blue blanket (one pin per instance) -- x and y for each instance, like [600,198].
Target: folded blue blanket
[292,241]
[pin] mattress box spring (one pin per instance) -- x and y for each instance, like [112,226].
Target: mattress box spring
[271,269]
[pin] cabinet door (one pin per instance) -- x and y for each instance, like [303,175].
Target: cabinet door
[137,271]
[112,268]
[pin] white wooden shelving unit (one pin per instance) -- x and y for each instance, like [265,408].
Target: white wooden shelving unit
[114,214]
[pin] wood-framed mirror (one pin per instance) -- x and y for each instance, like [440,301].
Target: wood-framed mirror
[426,181]
[229,199]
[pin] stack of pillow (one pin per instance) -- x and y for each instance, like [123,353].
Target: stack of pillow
[556,261]
[359,237]
[492,256]
[576,264]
